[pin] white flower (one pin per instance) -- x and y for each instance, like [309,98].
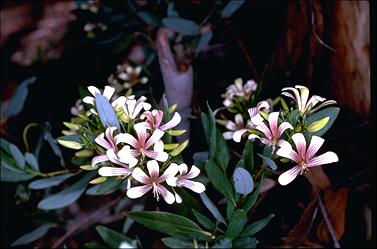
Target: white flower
[238,90]
[127,76]
[132,108]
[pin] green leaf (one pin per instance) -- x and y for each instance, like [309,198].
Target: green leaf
[179,148]
[106,112]
[149,18]
[68,195]
[175,132]
[200,157]
[331,112]
[112,238]
[231,7]
[229,210]
[182,26]
[236,223]
[245,243]
[243,182]
[203,220]
[268,161]
[54,145]
[251,199]
[220,181]
[94,245]
[71,126]
[32,236]
[16,103]
[170,10]
[248,155]
[318,125]
[84,153]
[222,155]
[255,227]
[111,184]
[5,145]
[212,208]
[98,180]
[17,155]
[11,174]
[49,182]
[223,243]
[176,243]
[203,41]
[209,127]
[71,141]
[171,224]
[32,161]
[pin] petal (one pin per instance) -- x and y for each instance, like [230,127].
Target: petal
[297,96]
[109,135]
[114,158]
[326,158]
[328,102]
[239,119]
[171,171]
[123,76]
[172,123]
[126,138]
[100,139]
[282,127]
[314,100]
[138,70]
[93,90]
[108,92]
[89,100]
[273,123]
[237,135]
[182,169]
[127,156]
[119,102]
[304,92]
[99,159]
[168,196]
[300,143]
[314,146]
[288,152]
[263,105]
[159,146]
[114,171]
[256,119]
[178,198]
[253,136]
[144,80]
[160,156]
[252,111]
[141,132]
[194,186]
[153,169]
[194,172]
[172,181]
[227,102]
[289,176]
[228,135]
[266,131]
[157,135]
[230,125]
[136,192]
[139,175]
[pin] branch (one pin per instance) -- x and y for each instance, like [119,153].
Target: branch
[328,223]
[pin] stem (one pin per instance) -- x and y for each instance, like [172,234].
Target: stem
[328,223]
[24,134]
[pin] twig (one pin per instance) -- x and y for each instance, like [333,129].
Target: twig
[328,223]
[235,153]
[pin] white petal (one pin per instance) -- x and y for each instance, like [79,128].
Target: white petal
[89,100]
[314,146]
[93,90]
[239,120]
[228,135]
[288,152]
[237,135]
[153,169]
[139,175]
[99,159]
[157,135]
[178,198]
[171,171]
[326,158]
[100,139]
[108,92]
[114,171]
[289,176]
[126,138]
[172,123]
[172,181]
[197,187]
[168,196]
[300,143]
[127,157]
[182,168]
[194,172]
[136,192]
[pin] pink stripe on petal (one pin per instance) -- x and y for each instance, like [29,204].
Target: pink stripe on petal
[288,153]
[194,186]
[230,125]
[114,171]
[282,127]
[239,119]
[100,139]
[168,196]
[172,123]
[194,172]
[141,132]
[237,135]
[263,128]
[326,158]
[139,175]
[153,169]
[136,192]
[273,122]
[289,176]
[157,135]
[171,171]
[314,146]
[99,159]
[109,135]
[126,138]
[300,143]
[266,141]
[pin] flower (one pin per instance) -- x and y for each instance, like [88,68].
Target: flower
[141,145]
[238,90]
[255,119]
[107,93]
[154,120]
[301,98]
[182,180]
[78,108]
[132,108]
[304,157]
[153,182]
[273,132]
[127,76]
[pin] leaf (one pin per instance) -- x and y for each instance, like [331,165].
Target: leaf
[112,238]
[71,126]
[71,141]
[98,180]
[49,182]
[149,18]
[203,220]
[179,148]
[248,155]
[331,112]
[318,125]
[5,145]
[203,41]
[220,181]
[209,125]
[175,132]
[170,10]
[84,153]
[32,236]
[231,7]
[170,146]
[251,199]
[16,103]
[93,190]
[223,243]
[68,195]
[17,155]
[180,25]
[106,112]
[176,243]
[171,224]
[32,161]
[255,227]
[245,243]
[236,223]
[200,157]
[54,145]
[11,174]
[212,208]
[128,222]
[222,155]
[111,184]
[268,161]
[243,182]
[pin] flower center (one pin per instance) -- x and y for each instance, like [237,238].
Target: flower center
[155,191]
[304,168]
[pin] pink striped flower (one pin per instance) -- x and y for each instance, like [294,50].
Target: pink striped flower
[182,180]
[303,156]
[273,132]
[142,144]
[301,99]
[238,90]
[155,117]
[132,108]
[153,182]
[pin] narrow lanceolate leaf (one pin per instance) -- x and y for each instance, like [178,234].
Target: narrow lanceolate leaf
[32,161]
[54,146]
[71,125]
[106,112]
[11,174]
[268,161]
[236,223]
[17,155]
[220,181]
[231,7]
[223,243]
[112,238]
[203,41]
[170,146]
[177,243]
[248,155]
[222,155]
[251,199]
[171,224]
[243,182]
[84,153]
[68,195]
[180,25]
[88,167]
[203,220]
[255,227]
[318,125]
[49,182]
[71,141]
[179,148]
[98,180]
[32,236]
[5,145]
[245,243]
[175,132]
[331,112]
[212,208]
[111,184]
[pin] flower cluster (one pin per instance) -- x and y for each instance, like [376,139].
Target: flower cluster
[126,77]
[279,130]
[132,142]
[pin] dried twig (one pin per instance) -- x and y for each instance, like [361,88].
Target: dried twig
[328,223]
